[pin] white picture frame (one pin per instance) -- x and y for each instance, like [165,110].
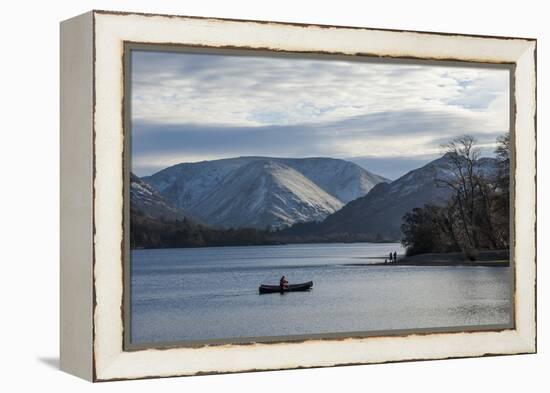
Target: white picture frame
[92,194]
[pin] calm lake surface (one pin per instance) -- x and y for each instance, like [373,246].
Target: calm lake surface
[212,293]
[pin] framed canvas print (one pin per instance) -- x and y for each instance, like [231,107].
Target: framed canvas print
[246,195]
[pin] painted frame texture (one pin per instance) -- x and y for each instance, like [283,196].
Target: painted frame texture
[95,349]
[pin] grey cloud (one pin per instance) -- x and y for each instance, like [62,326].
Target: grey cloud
[188,140]
[190,105]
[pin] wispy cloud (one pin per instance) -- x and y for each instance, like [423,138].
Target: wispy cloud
[189,107]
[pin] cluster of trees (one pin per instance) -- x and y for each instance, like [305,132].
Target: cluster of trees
[148,232]
[477,216]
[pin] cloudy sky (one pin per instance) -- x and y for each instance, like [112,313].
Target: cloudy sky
[390,118]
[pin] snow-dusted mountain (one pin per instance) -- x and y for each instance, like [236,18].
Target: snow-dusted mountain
[378,215]
[263,191]
[342,179]
[266,194]
[187,184]
[147,200]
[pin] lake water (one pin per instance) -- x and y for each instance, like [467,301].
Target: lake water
[212,293]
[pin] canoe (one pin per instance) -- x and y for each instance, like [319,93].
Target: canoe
[305,286]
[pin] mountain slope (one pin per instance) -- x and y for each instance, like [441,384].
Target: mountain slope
[266,193]
[185,185]
[378,215]
[343,180]
[236,192]
[146,200]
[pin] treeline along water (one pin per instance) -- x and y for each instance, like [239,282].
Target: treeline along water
[212,293]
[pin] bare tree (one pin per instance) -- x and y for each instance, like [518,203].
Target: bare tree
[502,191]
[462,163]
[476,215]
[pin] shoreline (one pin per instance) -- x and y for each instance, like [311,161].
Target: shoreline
[264,245]
[489,258]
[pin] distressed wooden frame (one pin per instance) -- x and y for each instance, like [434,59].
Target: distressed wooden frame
[92,194]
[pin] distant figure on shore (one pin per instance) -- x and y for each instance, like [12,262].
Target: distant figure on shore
[391,257]
[385,261]
[283,283]
[394,256]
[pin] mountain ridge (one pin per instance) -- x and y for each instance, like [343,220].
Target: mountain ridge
[200,189]
[267,194]
[147,200]
[377,215]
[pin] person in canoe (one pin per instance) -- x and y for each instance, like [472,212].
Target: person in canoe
[283,283]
